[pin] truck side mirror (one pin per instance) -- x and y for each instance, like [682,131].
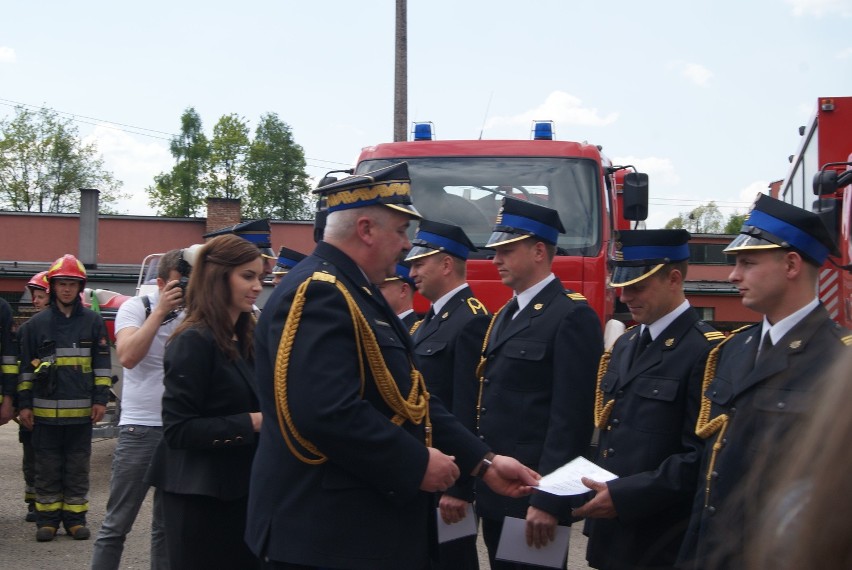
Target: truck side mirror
[326,180]
[635,196]
[825,182]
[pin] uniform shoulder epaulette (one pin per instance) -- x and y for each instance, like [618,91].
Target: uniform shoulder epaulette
[711,334]
[476,307]
[574,296]
[847,340]
[324,276]
[631,327]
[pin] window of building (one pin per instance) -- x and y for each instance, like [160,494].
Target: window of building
[709,254]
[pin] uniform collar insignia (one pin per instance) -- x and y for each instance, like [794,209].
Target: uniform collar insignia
[669,342]
[538,306]
[796,344]
[445,315]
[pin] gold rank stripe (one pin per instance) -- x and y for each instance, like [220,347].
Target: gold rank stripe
[576,296]
[714,335]
[847,340]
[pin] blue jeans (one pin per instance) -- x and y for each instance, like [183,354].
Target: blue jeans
[127,490]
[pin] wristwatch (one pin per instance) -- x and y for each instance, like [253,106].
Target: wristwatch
[484,465]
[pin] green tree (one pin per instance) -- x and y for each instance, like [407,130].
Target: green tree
[44,163]
[275,169]
[180,193]
[705,219]
[734,223]
[228,151]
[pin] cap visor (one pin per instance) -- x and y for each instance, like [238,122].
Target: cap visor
[419,251]
[406,209]
[745,242]
[624,276]
[502,238]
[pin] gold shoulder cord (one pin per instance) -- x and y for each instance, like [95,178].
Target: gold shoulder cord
[480,368]
[705,427]
[602,411]
[414,327]
[414,408]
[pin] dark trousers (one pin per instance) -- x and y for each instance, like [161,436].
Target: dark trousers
[459,554]
[62,454]
[491,530]
[206,532]
[25,436]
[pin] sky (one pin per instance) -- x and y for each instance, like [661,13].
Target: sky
[706,97]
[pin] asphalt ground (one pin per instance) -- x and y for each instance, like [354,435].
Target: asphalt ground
[19,549]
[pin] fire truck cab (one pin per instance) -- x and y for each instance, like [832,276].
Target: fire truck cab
[464,182]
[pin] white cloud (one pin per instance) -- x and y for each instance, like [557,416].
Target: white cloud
[697,73]
[7,55]
[660,171]
[821,8]
[560,107]
[750,192]
[133,159]
[844,54]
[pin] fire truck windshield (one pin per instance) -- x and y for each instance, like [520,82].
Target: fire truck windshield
[467,191]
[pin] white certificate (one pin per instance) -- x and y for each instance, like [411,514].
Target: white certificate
[513,545]
[566,479]
[465,527]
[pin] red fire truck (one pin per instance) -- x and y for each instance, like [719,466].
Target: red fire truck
[820,180]
[463,182]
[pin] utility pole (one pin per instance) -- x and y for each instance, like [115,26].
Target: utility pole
[400,95]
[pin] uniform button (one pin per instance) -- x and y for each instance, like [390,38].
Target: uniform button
[616,421]
[238,439]
[523,352]
[486,381]
[619,393]
[781,405]
[227,442]
[724,441]
[216,442]
[482,437]
[732,411]
[483,410]
[656,392]
[715,392]
[711,510]
[429,351]
[714,474]
[610,452]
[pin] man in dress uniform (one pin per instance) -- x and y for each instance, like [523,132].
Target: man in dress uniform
[448,343]
[287,260]
[257,232]
[760,381]
[649,391]
[538,374]
[398,291]
[346,467]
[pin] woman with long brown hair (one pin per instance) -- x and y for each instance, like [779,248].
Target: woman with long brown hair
[210,411]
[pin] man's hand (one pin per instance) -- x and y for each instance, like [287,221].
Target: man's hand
[7,412]
[441,472]
[26,418]
[171,299]
[98,411]
[508,476]
[541,527]
[601,506]
[452,509]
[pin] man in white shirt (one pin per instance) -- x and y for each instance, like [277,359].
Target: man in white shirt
[143,325]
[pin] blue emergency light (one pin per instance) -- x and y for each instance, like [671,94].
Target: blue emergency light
[543,130]
[422,131]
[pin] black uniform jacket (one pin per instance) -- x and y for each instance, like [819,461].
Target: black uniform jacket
[763,403]
[208,442]
[448,349]
[649,441]
[362,508]
[409,320]
[538,392]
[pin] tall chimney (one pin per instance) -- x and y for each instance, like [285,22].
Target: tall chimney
[222,213]
[89,227]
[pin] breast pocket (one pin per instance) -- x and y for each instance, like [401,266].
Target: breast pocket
[525,363]
[655,397]
[430,348]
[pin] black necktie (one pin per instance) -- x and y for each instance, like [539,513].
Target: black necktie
[644,341]
[508,312]
[765,347]
[429,314]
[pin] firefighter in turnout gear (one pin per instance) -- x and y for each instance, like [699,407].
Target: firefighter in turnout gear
[63,389]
